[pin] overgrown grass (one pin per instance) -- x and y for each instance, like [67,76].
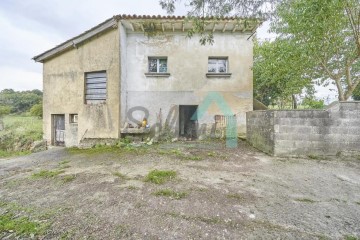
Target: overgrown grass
[160,176]
[20,131]
[46,174]
[170,193]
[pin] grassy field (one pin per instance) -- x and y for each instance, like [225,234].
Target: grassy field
[19,133]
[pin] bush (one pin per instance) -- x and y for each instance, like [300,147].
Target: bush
[36,110]
[4,110]
[313,103]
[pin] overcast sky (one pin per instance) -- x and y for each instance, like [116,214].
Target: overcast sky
[30,27]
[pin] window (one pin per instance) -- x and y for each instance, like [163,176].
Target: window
[73,118]
[217,65]
[157,65]
[95,87]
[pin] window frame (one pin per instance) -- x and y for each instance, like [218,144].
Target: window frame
[157,73]
[72,117]
[218,74]
[217,64]
[100,101]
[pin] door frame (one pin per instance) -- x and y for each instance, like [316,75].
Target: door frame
[195,130]
[53,130]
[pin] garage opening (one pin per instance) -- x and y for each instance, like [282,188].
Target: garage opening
[187,123]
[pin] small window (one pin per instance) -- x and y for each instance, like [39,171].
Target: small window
[73,118]
[157,65]
[95,87]
[217,65]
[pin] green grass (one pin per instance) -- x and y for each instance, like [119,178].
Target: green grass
[236,196]
[306,200]
[178,153]
[160,176]
[23,126]
[120,175]
[19,131]
[117,149]
[12,221]
[131,187]
[20,225]
[350,237]
[5,154]
[170,193]
[46,174]
[68,178]
[64,162]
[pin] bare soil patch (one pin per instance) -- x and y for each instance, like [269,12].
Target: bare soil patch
[216,193]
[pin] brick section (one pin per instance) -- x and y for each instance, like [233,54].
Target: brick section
[306,132]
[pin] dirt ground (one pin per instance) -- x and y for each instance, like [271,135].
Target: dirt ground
[225,194]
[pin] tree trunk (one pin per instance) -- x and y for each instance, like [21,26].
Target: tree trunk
[294,101]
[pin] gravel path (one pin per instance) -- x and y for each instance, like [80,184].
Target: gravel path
[227,194]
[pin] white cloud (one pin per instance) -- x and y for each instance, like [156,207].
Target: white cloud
[31,27]
[22,79]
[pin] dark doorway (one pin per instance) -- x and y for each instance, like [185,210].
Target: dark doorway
[188,125]
[59,129]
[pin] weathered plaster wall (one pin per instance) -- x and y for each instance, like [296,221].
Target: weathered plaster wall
[187,65]
[306,132]
[63,85]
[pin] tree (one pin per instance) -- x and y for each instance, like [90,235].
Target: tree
[37,110]
[327,34]
[238,8]
[20,101]
[356,93]
[201,10]
[278,73]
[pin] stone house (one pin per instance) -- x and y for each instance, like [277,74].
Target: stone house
[104,82]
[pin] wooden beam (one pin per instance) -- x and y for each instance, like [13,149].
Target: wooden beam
[214,27]
[235,26]
[142,27]
[163,27]
[244,29]
[224,28]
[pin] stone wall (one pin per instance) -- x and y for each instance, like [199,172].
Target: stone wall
[306,132]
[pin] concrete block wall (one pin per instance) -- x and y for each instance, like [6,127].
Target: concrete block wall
[306,132]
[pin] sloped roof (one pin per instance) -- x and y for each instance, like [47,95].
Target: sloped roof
[128,21]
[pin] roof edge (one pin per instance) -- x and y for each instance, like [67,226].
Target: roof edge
[113,23]
[109,23]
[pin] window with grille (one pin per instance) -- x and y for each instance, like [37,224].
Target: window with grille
[157,65]
[217,65]
[95,87]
